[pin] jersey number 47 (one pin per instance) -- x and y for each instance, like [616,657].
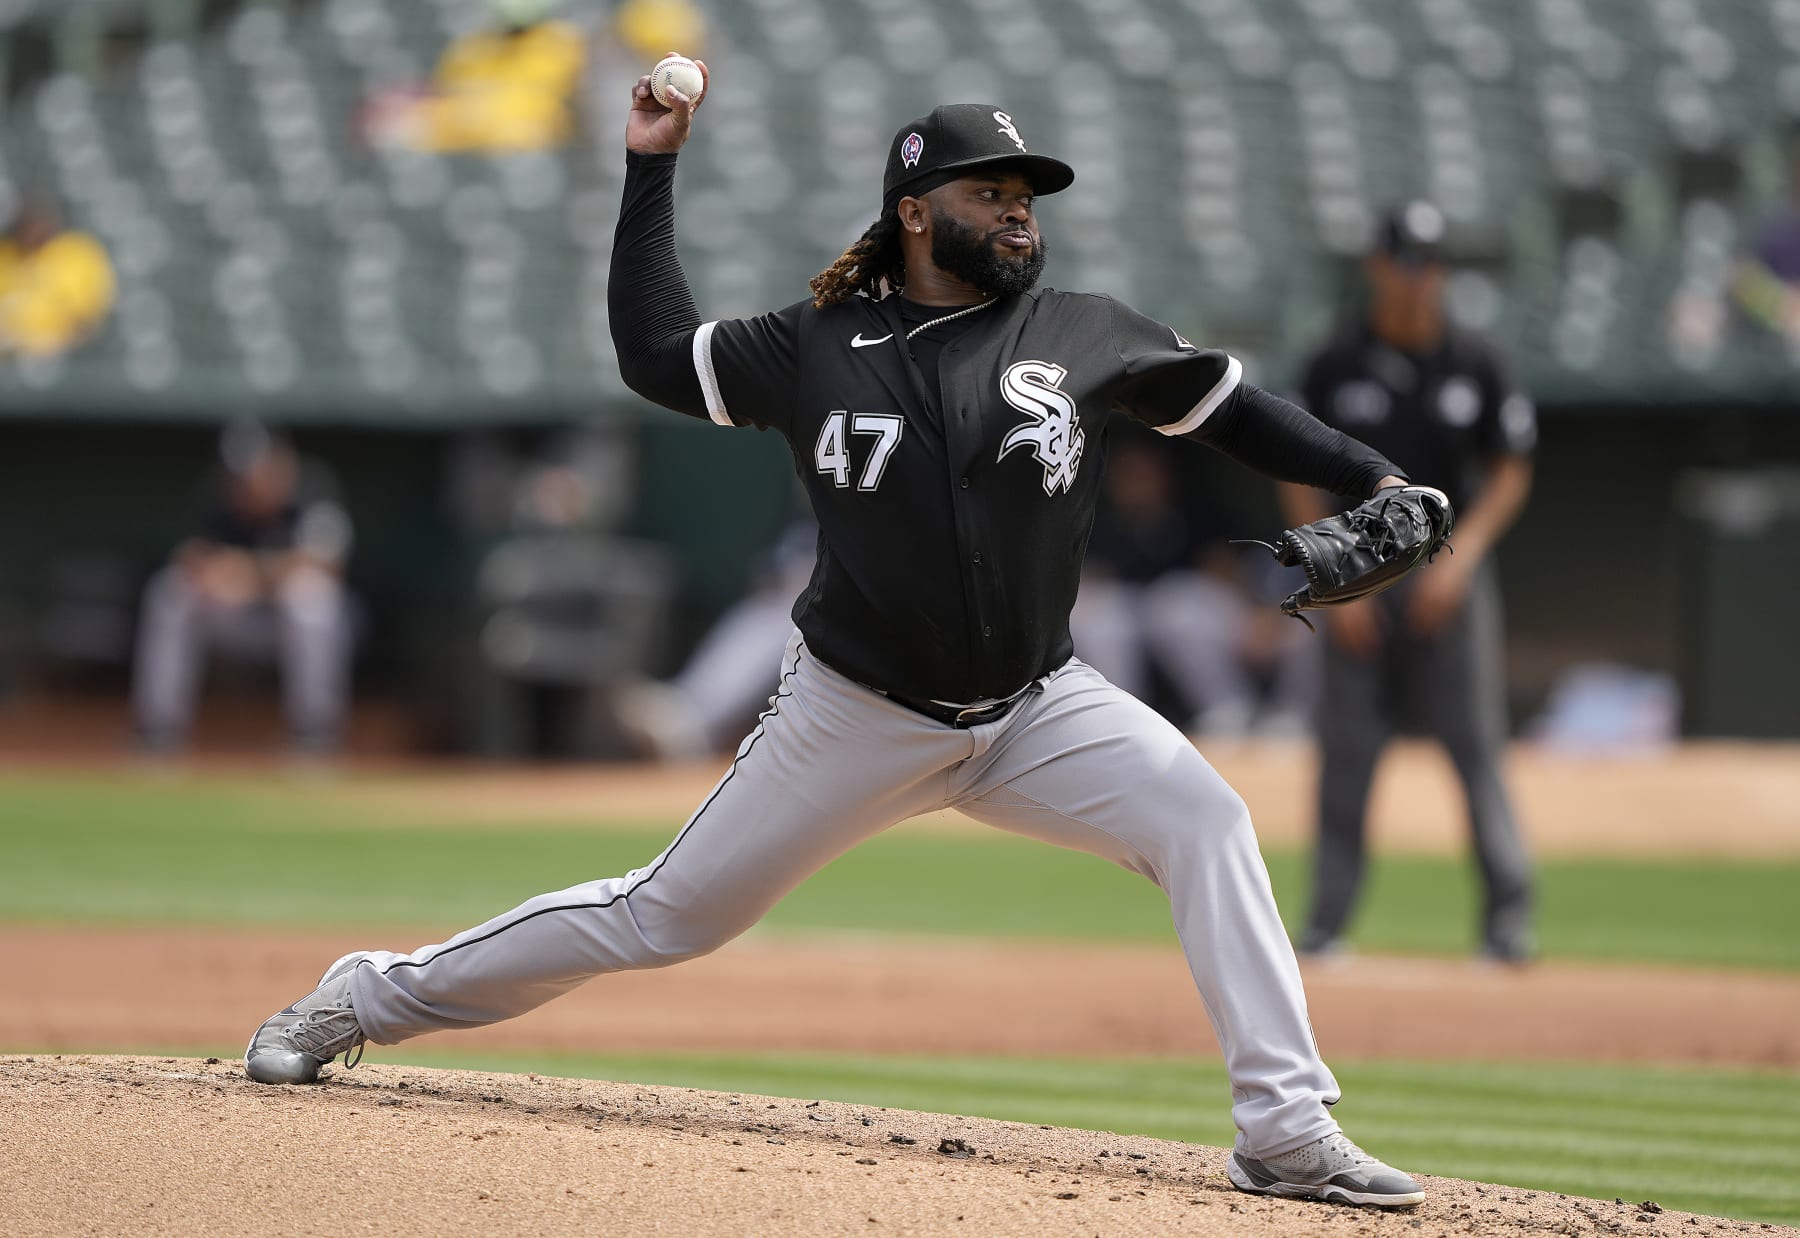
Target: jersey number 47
[832,452]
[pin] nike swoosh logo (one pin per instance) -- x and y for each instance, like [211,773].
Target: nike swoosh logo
[859,342]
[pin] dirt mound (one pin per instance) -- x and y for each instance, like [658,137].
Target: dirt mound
[177,1146]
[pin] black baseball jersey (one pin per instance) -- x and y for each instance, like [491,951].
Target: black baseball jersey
[312,519]
[1440,416]
[952,523]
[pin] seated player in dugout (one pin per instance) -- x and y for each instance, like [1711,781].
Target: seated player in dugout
[948,420]
[1164,595]
[261,575]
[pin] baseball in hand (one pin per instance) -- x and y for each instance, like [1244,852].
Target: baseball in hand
[679,72]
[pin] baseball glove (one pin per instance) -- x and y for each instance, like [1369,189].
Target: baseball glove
[1365,550]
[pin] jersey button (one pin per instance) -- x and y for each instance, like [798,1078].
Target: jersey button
[978,556]
[987,631]
[965,483]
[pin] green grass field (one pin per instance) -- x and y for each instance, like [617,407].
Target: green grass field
[79,850]
[124,850]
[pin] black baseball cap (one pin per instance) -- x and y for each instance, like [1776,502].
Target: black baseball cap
[1412,233]
[955,140]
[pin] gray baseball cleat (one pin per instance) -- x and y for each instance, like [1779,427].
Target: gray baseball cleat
[294,1043]
[1332,1169]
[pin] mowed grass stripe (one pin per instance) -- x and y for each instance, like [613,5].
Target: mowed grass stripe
[1581,1115]
[1549,1137]
[1582,1121]
[1647,1132]
[1745,1196]
[159,853]
[1679,1087]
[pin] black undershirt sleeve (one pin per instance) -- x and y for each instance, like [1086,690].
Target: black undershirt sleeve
[1286,442]
[650,308]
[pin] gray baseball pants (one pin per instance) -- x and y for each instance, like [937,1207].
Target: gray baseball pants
[306,626]
[1078,763]
[1451,686]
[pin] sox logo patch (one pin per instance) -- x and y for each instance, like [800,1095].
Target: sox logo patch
[1006,126]
[1054,432]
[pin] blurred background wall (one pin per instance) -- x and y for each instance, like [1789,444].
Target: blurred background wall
[384,228]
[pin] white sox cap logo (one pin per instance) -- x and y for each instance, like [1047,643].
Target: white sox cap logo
[1054,434]
[1006,127]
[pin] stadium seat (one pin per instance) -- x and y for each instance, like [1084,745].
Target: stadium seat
[1597,161]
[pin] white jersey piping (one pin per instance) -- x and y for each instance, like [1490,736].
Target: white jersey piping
[1234,371]
[709,381]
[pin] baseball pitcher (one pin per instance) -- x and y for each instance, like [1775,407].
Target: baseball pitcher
[948,418]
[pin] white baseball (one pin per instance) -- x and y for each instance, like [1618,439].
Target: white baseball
[679,72]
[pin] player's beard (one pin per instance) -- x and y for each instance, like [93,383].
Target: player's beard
[971,256]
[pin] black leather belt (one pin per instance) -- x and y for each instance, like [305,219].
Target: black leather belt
[965,716]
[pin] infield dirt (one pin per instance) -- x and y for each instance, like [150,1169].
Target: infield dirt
[103,989]
[179,1146]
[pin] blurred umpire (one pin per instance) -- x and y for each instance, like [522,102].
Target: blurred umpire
[1426,655]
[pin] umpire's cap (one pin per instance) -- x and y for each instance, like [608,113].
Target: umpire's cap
[956,139]
[1412,233]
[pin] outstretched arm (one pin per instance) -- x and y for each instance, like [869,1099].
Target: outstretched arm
[1287,443]
[649,306]
[1199,393]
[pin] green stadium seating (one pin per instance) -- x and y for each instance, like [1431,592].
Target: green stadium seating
[1602,163]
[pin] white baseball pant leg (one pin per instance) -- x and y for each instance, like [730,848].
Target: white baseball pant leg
[1092,768]
[1080,764]
[825,769]
[314,649]
[171,651]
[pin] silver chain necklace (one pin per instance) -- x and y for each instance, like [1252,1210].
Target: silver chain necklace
[947,317]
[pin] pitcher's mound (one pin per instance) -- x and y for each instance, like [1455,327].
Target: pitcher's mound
[178,1146]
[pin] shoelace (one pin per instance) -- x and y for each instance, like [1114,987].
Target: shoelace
[1374,525]
[321,1030]
[1357,1156]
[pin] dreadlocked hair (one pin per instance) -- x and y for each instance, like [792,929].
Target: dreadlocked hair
[873,260]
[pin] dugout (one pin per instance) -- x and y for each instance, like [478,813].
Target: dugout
[1622,554]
